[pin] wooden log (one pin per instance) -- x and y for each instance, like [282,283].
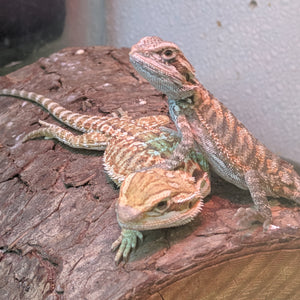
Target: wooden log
[57,205]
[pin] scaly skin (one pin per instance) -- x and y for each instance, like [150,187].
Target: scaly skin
[207,125]
[175,197]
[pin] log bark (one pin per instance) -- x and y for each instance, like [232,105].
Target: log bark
[57,205]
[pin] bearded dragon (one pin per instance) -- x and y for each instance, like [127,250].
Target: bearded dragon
[148,199]
[207,125]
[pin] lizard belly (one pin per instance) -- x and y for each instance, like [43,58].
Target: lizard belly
[227,173]
[215,158]
[208,148]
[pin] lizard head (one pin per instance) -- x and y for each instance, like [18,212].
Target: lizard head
[164,66]
[159,198]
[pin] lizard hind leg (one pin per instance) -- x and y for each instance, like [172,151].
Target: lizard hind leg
[90,140]
[261,211]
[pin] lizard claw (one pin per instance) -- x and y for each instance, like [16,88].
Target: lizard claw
[125,243]
[249,215]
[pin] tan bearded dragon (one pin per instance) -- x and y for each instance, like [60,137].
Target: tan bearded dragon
[206,125]
[149,199]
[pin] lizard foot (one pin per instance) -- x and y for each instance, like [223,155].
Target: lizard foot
[249,215]
[125,243]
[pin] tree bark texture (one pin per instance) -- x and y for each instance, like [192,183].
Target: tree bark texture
[57,218]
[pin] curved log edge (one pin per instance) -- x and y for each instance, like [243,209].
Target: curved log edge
[57,204]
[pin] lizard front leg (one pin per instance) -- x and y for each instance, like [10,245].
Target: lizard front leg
[90,140]
[125,243]
[183,147]
[261,212]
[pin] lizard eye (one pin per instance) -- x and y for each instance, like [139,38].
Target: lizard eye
[168,54]
[161,206]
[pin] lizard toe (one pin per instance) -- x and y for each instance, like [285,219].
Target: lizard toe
[247,216]
[125,243]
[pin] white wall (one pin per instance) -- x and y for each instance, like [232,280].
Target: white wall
[85,23]
[247,55]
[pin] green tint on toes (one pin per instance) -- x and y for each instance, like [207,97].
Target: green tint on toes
[125,243]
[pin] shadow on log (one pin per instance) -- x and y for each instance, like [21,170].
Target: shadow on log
[57,206]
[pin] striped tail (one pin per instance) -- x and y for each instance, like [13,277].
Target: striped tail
[83,123]
[89,140]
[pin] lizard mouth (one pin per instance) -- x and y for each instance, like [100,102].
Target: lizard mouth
[150,221]
[162,76]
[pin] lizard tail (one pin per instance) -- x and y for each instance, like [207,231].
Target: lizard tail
[77,121]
